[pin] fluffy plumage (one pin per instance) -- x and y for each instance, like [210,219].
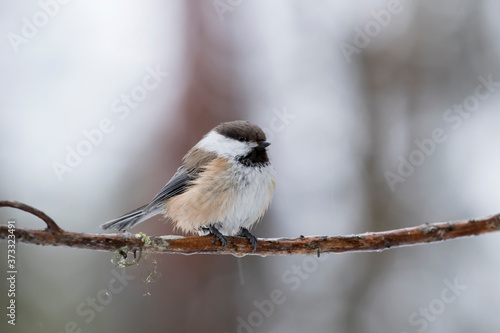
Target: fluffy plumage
[225,184]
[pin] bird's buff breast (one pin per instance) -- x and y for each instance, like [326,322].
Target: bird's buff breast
[227,193]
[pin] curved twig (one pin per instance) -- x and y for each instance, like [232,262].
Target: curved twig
[51,225]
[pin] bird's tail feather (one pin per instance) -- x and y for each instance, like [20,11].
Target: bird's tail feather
[129,220]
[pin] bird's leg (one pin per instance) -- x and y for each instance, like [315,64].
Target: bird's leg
[218,236]
[251,238]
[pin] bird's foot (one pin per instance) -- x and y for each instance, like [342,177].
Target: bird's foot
[251,238]
[218,236]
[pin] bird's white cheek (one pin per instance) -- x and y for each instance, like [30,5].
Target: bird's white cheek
[223,146]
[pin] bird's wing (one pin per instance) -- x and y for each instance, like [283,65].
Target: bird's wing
[178,184]
[181,180]
[194,162]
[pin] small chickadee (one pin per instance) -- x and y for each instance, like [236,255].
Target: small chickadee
[223,187]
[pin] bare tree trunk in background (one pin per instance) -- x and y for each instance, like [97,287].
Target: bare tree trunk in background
[390,76]
[202,285]
[381,209]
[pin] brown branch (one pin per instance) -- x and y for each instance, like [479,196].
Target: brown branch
[51,225]
[370,241]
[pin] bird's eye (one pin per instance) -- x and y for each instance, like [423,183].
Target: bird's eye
[241,138]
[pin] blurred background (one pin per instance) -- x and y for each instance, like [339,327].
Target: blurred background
[381,115]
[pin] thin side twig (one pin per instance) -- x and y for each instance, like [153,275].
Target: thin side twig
[370,241]
[51,225]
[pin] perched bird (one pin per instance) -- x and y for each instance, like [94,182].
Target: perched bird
[223,187]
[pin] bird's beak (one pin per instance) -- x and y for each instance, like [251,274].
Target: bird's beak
[263,145]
